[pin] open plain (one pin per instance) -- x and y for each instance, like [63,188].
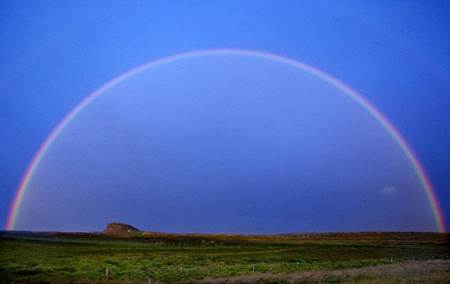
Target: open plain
[144,257]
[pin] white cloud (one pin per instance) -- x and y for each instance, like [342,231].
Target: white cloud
[389,190]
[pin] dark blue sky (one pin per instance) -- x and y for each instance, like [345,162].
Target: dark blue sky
[53,54]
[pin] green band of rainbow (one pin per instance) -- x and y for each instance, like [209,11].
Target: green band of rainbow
[18,197]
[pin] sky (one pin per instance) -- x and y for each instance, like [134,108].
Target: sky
[394,53]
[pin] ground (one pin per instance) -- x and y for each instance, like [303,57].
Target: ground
[169,258]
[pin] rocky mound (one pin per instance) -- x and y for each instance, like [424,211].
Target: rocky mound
[120,228]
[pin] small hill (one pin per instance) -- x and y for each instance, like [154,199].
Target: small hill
[120,229]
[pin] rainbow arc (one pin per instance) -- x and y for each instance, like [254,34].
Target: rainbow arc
[55,133]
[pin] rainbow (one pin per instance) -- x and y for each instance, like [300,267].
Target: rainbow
[418,168]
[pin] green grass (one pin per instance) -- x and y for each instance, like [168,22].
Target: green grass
[184,258]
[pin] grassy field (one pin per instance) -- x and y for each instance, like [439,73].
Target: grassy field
[169,258]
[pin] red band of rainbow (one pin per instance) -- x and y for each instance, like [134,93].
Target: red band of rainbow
[418,168]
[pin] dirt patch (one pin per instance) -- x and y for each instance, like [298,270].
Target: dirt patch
[433,271]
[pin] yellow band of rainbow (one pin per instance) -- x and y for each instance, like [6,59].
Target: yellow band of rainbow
[418,168]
